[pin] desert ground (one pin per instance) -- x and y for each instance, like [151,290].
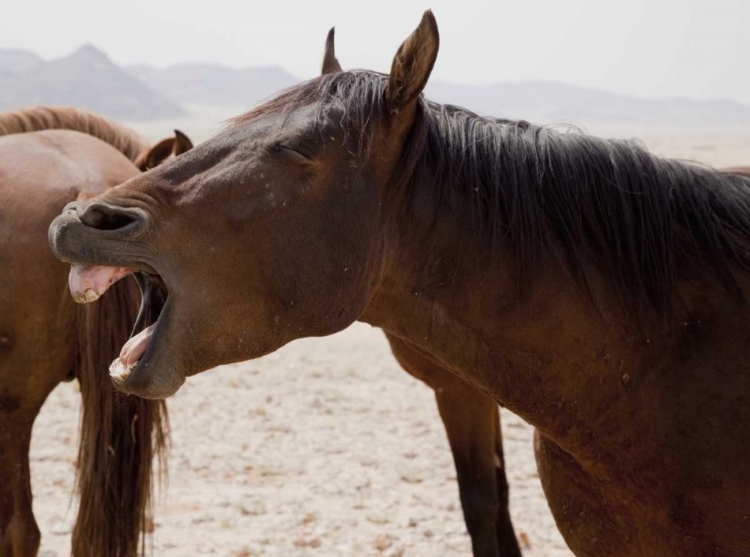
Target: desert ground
[325,448]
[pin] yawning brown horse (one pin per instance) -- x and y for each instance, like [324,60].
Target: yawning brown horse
[45,338]
[594,289]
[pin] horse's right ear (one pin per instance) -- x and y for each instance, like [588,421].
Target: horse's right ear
[413,64]
[182,143]
[330,63]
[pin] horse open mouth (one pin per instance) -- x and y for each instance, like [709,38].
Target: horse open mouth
[89,282]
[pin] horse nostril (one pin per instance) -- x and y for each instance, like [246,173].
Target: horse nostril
[106,217]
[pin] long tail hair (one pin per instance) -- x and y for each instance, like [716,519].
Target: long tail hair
[120,435]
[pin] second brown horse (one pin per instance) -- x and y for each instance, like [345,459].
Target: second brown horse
[48,158]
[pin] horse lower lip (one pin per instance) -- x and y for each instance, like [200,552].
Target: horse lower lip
[134,349]
[152,302]
[131,354]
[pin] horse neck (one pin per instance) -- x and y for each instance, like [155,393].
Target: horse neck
[122,138]
[536,354]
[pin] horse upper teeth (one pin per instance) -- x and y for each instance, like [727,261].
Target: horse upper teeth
[91,295]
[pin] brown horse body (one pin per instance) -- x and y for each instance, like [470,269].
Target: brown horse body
[45,338]
[597,291]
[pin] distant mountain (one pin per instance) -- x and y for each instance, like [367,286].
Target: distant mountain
[541,102]
[86,79]
[213,84]
[17,61]
[554,102]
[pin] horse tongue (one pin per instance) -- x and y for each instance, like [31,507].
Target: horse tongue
[88,282]
[136,347]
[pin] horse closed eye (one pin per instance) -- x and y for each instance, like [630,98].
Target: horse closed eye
[293,154]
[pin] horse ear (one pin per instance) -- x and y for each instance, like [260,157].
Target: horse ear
[330,63]
[413,64]
[160,152]
[156,155]
[182,143]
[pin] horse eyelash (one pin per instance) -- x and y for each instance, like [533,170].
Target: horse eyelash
[279,147]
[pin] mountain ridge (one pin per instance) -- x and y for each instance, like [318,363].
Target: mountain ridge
[86,78]
[205,83]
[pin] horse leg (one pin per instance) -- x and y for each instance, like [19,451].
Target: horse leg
[472,423]
[25,384]
[33,361]
[19,533]
[506,534]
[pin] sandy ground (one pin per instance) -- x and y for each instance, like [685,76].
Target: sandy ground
[325,448]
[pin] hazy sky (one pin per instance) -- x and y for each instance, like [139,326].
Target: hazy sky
[655,48]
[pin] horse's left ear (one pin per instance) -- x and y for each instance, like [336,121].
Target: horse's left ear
[160,152]
[182,143]
[330,63]
[156,155]
[413,64]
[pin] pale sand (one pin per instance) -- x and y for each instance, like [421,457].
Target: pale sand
[324,448]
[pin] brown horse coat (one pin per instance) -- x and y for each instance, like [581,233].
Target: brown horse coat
[594,289]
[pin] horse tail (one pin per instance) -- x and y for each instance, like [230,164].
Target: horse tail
[120,435]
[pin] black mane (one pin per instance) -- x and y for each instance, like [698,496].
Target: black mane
[640,219]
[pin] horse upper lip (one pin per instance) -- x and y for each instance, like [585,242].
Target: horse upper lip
[72,241]
[60,232]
